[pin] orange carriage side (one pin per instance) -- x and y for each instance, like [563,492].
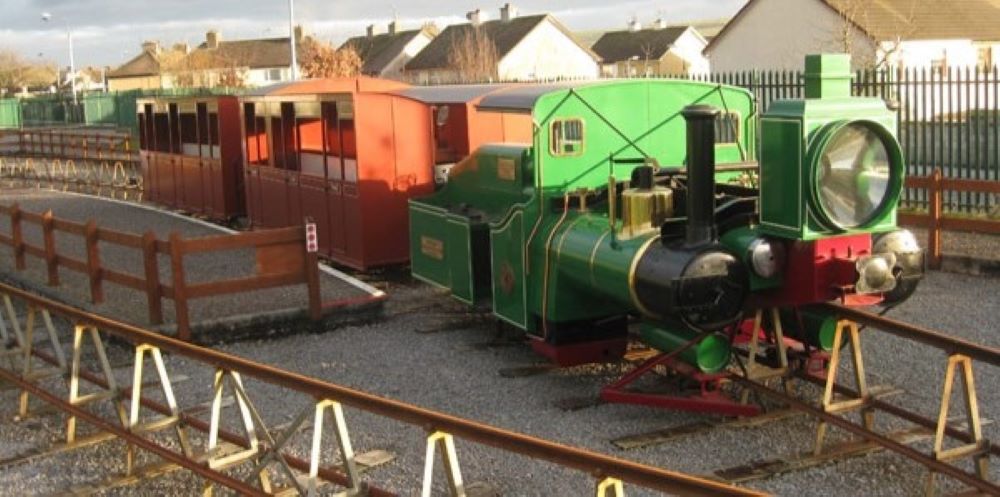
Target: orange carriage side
[190,150]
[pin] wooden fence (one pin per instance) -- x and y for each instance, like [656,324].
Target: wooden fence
[935,220]
[281,260]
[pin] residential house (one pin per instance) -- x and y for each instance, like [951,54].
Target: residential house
[256,62]
[384,55]
[144,71]
[252,63]
[660,49]
[777,34]
[527,48]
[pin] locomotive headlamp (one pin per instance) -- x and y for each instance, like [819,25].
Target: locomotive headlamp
[823,174]
[857,169]
[766,257]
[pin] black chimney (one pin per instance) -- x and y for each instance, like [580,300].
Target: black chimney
[701,173]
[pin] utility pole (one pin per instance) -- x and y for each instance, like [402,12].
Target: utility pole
[46,17]
[292,40]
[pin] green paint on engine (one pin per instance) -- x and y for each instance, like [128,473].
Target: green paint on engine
[533,263]
[710,355]
[813,326]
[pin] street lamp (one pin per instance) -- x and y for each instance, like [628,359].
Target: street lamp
[291,38]
[46,17]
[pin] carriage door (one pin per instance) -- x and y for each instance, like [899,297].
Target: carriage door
[335,178]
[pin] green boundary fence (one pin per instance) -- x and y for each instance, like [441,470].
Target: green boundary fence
[94,109]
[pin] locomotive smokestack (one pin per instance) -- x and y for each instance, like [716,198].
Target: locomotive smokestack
[701,173]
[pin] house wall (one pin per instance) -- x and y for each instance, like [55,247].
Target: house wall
[136,83]
[684,57]
[929,54]
[263,76]
[778,34]
[688,49]
[394,70]
[547,53]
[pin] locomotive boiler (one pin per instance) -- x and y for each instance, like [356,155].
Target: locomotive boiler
[638,202]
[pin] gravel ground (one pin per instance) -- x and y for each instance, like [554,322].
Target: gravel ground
[130,305]
[979,245]
[430,351]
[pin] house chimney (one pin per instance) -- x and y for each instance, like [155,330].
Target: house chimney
[370,30]
[508,12]
[660,24]
[392,27]
[152,47]
[182,48]
[476,17]
[299,33]
[212,39]
[633,24]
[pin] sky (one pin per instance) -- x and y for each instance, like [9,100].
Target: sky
[110,32]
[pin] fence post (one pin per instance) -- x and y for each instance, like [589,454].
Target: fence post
[934,230]
[93,262]
[152,268]
[312,275]
[51,261]
[85,149]
[180,292]
[17,236]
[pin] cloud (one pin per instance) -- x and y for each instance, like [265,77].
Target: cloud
[108,32]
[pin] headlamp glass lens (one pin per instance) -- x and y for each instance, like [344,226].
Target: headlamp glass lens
[853,175]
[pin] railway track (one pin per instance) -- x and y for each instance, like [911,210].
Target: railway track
[962,432]
[37,365]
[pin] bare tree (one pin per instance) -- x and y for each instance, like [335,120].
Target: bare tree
[205,68]
[17,73]
[321,60]
[473,56]
[853,15]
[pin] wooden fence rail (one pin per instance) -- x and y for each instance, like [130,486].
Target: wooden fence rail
[935,221]
[281,255]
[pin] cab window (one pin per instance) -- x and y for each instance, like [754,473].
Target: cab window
[566,137]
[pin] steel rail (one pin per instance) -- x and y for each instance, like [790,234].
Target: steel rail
[132,438]
[192,421]
[897,411]
[881,440]
[950,345]
[596,464]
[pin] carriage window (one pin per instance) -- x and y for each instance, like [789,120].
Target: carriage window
[203,131]
[311,155]
[161,130]
[174,126]
[727,128]
[567,137]
[213,133]
[189,134]
[143,141]
[256,136]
